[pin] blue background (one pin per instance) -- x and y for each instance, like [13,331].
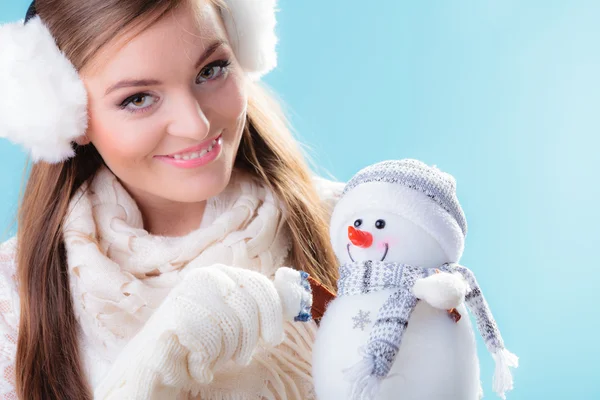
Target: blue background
[504,95]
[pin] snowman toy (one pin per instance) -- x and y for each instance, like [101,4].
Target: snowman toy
[395,329]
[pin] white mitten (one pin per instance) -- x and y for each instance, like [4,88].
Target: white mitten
[243,305]
[216,314]
[443,290]
[295,293]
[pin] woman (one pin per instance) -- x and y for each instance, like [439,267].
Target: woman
[167,192]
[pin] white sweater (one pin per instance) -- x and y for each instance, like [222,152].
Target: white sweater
[120,334]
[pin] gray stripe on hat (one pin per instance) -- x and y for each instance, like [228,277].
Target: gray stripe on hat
[413,174]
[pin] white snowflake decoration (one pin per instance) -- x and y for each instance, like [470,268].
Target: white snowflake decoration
[362,320]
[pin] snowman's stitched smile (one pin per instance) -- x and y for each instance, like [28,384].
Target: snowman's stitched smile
[382,258]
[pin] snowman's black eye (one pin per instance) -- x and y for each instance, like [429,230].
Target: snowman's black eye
[380,224]
[357,223]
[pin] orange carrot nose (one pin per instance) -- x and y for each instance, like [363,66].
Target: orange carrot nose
[360,238]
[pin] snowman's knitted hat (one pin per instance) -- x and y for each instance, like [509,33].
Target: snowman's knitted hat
[422,194]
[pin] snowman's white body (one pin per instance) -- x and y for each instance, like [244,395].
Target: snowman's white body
[437,359]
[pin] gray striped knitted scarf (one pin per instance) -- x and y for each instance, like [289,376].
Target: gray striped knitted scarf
[393,317]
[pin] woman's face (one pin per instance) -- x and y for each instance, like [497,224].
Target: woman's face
[167,107]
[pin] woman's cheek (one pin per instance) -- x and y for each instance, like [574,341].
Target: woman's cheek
[132,139]
[231,101]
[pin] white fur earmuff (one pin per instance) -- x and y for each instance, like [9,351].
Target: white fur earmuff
[44,103]
[250,25]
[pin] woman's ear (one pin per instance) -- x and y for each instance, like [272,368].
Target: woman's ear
[82,140]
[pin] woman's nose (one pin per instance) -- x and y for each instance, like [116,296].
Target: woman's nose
[360,238]
[189,120]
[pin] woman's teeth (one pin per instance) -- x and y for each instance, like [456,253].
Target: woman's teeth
[198,154]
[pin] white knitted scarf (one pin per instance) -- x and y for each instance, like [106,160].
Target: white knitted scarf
[119,273]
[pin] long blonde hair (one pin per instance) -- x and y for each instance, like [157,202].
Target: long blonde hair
[48,362]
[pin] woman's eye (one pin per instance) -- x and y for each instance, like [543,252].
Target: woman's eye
[212,71]
[139,101]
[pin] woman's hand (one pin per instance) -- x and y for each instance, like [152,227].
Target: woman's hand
[443,290]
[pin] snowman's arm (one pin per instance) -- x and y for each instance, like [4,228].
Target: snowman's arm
[443,290]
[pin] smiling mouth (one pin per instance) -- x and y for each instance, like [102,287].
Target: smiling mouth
[196,151]
[382,258]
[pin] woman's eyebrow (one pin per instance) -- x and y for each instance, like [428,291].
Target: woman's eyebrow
[131,83]
[149,82]
[208,52]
